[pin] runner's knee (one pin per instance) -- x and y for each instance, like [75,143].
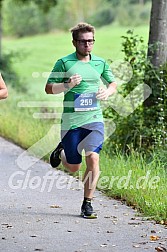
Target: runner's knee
[92,159]
[73,167]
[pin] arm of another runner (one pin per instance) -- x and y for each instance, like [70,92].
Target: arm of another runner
[3,89]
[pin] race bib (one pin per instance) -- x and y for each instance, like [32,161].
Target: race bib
[85,102]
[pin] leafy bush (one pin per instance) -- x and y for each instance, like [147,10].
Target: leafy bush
[8,72]
[102,17]
[23,20]
[29,18]
[133,14]
[145,128]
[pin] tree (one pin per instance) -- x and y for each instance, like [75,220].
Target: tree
[157,50]
[43,4]
[155,106]
[0,25]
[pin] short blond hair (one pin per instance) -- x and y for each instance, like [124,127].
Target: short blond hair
[81,27]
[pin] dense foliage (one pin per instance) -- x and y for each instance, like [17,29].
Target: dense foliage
[43,16]
[145,127]
[10,76]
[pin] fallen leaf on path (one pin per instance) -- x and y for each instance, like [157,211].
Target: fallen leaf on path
[144,235]
[114,222]
[143,243]
[107,217]
[125,214]
[154,238]
[55,206]
[7,225]
[160,249]
[134,223]
[153,231]
[136,246]
[103,245]
[114,217]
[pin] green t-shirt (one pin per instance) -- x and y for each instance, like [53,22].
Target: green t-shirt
[94,72]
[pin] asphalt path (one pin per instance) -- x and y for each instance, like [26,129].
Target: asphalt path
[40,207]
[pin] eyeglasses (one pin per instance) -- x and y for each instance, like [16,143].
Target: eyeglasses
[84,41]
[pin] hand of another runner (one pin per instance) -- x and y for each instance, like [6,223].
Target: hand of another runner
[74,80]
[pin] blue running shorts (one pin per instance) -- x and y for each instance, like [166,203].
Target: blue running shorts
[89,137]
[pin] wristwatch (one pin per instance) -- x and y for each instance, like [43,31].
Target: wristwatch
[66,84]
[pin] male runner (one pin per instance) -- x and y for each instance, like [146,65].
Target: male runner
[79,76]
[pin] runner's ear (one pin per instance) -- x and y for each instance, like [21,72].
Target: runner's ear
[74,43]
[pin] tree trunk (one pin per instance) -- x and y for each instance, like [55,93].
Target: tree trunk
[0,28]
[157,45]
[157,51]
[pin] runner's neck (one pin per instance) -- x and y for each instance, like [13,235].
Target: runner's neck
[83,58]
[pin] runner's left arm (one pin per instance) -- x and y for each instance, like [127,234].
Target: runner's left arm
[108,79]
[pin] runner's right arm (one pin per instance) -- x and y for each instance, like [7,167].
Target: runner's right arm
[57,88]
[58,81]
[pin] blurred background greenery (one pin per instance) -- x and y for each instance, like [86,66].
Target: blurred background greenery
[28,19]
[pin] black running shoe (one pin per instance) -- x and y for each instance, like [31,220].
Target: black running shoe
[55,156]
[87,211]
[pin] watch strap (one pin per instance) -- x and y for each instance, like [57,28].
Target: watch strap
[66,85]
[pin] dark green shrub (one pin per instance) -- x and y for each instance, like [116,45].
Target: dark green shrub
[102,17]
[23,19]
[145,128]
[9,74]
[133,14]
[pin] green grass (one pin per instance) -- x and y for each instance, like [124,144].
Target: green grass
[17,123]
[140,184]
[134,181]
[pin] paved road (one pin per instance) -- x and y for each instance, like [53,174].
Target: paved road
[38,213]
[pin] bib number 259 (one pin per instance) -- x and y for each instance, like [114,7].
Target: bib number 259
[85,102]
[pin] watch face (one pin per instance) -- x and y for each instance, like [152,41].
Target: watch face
[66,85]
